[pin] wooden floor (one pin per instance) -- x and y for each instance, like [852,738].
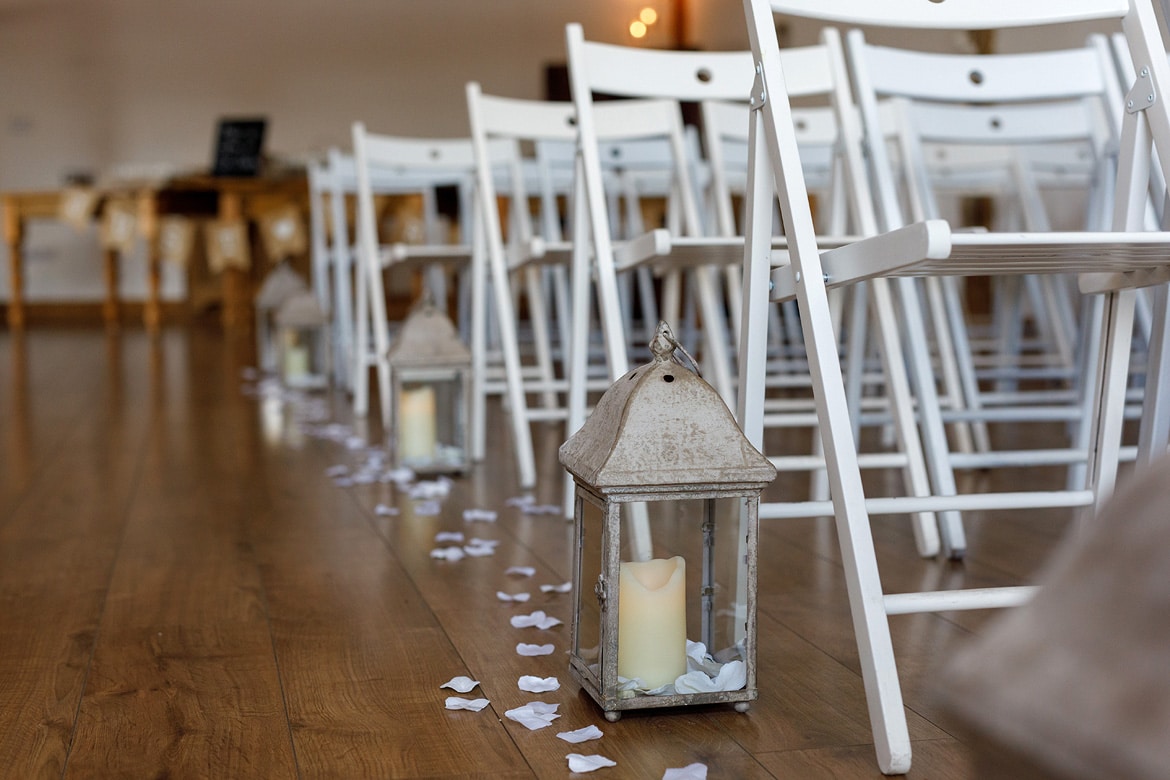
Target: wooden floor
[185,592]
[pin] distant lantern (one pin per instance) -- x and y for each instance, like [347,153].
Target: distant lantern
[281,283]
[430,370]
[302,337]
[662,469]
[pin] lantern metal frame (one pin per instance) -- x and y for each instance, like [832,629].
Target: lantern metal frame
[281,283]
[660,434]
[428,351]
[302,314]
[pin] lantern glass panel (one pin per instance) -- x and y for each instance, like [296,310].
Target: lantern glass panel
[710,537]
[587,636]
[431,420]
[301,357]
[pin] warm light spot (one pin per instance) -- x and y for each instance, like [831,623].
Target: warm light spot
[648,16]
[637,29]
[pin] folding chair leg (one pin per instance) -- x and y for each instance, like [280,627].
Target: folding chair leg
[1155,427]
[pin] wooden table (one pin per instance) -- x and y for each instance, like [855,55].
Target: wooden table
[197,196]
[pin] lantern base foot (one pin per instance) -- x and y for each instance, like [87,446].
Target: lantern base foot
[743,706]
[613,716]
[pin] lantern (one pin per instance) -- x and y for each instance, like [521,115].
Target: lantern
[302,342]
[661,468]
[281,283]
[430,371]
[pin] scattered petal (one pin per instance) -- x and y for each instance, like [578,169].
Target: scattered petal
[479,515]
[476,551]
[438,488]
[520,571]
[520,501]
[462,684]
[449,536]
[537,619]
[695,771]
[427,508]
[541,509]
[448,553]
[476,541]
[337,471]
[511,596]
[401,475]
[459,703]
[564,587]
[581,735]
[580,763]
[343,482]
[732,677]
[534,650]
[534,715]
[382,510]
[534,684]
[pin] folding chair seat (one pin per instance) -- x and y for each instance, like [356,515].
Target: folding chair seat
[1111,262]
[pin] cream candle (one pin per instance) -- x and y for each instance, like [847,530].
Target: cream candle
[296,362]
[652,621]
[416,424]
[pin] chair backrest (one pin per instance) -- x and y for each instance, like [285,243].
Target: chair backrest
[1034,98]
[953,14]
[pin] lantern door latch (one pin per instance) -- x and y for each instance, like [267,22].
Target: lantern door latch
[602,591]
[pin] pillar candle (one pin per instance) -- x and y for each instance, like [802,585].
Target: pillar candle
[296,362]
[416,424]
[652,621]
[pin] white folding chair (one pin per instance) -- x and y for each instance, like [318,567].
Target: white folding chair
[412,165]
[1030,99]
[643,73]
[1111,262]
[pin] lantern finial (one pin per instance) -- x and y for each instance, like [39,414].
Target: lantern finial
[664,344]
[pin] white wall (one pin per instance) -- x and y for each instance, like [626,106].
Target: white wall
[97,85]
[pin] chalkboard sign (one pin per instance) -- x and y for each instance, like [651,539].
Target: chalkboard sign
[238,146]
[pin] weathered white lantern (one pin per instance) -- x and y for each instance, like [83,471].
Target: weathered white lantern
[666,515]
[302,337]
[281,283]
[430,370]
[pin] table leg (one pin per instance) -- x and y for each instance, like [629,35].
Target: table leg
[111,307]
[14,237]
[148,228]
[235,314]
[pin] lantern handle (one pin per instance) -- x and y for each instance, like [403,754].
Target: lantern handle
[664,345]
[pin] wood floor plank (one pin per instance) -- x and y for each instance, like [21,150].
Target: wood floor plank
[238,614]
[184,679]
[361,653]
[58,541]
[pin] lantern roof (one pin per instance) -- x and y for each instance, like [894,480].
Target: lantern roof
[278,285]
[661,425]
[428,338]
[301,310]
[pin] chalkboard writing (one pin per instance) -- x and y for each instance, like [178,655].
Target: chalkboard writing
[238,146]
